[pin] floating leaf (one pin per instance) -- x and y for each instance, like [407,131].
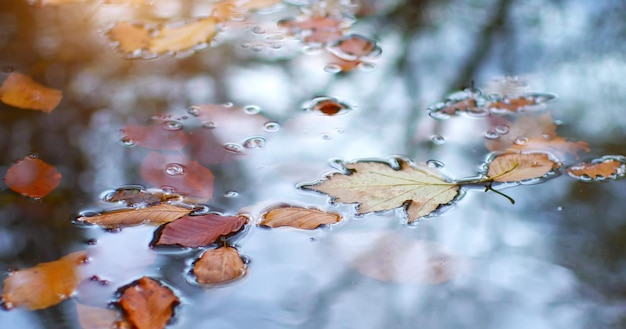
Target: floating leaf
[198,231]
[315,28]
[147,304]
[176,37]
[92,317]
[137,195]
[44,285]
[130,37]
[21,91]
[219,265]
[515,167]
[179,173]
[298,217]
[605,167]
[514,104]
[32,177]
[158,214]
[156,137]
[377,186]
[355,47]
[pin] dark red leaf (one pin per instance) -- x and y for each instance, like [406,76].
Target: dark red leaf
[198,231]
[156,137]
[32,177]
[179,173]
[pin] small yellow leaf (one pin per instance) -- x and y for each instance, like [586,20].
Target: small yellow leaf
[21,91]
[184,37]
[515,167]
[130,37]
[298,217]
[159,214]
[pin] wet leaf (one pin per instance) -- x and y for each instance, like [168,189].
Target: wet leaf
[176,37]
[234,9]
[32,177]
[315,28]
[377,186]
[44,285]
[139,196]
[179,173]
[130,37]
[21,91]
[156,137]
[298,217]
[158,214]
[147,304]
[515,167]
[198,231]
[606,167]
[219,265]
[92,317]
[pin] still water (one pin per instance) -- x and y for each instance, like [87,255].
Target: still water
[280,96]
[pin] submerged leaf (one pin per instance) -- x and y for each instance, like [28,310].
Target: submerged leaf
[32,177]
[178,38]
[298,217]
[515,167]
[198,231]
[159,214]
[130,37]
[92,317]
[44,285]
[147,304]
[606,167]
[137,195]
[21,91]
[155,137]
[377,186]
[219,265]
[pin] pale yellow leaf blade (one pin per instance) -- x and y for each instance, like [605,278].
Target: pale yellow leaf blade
[298,217]
[183,37]
[377,186]
[515,167]
[130,37]
[158,214]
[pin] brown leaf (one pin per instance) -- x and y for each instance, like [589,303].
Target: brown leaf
[147,304]
[156,137]
[91,317]
[515,167]
[21,91]
[130,37]
[32,177]
[298,217]
[219,265]
[600,168]
[198,231]
[185,176]
[176,37]
[44,285]
[159,214]
[134,195]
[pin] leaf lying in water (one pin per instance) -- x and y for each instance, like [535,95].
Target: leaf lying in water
[298,217]
[137,195]
[377,186]
[32,177]
[198,231]
[130,37]
[219,265]
[156,137]
[605,167]
[515,167]
[147,304]
[181,37]
[159,214]
[44,285]
[21,91]
[91,317]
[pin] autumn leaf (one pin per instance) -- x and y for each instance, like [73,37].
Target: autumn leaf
[198,231]
[156,137]
[158,214]
[219,265]
[44,285]
[315,28]
[21,91]
[179,173]
[515,104]
[353,47]
[147,304]
[298,217]
[129,37]
[177,37]
[32,177]
[515,167]
[93,317]
[137,195]
[602,168]
[377,186]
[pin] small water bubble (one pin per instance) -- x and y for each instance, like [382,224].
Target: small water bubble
[559,208]
[546,136]
[127,141]
[91,242]
[167,189]
[252,109]
[208,124]
[332,68]
[228,104]
[233,147]
[257,48]
[33,155]
[231,194]
[172,125]
[521,141]
[435,164]
[491,134]
[200,210]
[276,45]
[585,178]
[339,131]
[246,45]
[258,29]
[326,137]
[174,169]
[313,239]
[194,110]
[254,142]
[367,66]
[311,49]
[502,130]
[438,140]
[271,126]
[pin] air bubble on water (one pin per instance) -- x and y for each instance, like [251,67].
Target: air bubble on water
[174,169]
[254,142]
[339,130]
[546,136]
[172,125]
[491,134]
[231,194]
[233,148]
[167,189]
[208,124]
[438,139]
[438,115]
[246,45]
[559,208]
[502,130]
[91,242]
[252,109]
[435,164]
[271,126]
[257,48]
[127,141]
[228,104]
[558,122]
[521,141]
[332,68]
[585,178]
[258,29]
[276,45]
[326,137]
[367,66]
[194,110]
[200,209]
[311,49]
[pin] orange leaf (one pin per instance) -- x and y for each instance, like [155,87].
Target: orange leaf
[303,218]
[147,304]
[32,177]
[219,265]
[158,214]
[44,285]
[515,167]
[597,169]
[21,91]
[156,137]
[181,37]
[130,37]
[179,173]
[198,231]
[91,317]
